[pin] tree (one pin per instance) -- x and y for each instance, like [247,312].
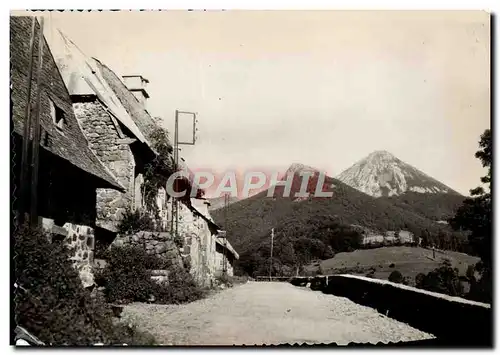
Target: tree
[444,280]
[475,213]
[329,253]
[424,235]
[474,216]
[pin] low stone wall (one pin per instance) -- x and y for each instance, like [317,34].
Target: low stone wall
[454,321]
[160,244]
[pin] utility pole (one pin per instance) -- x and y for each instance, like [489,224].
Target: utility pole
[23,181]
[175,202]
[271,260]
[36,135]
[224,256]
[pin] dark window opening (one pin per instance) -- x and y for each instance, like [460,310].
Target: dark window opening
[58,116]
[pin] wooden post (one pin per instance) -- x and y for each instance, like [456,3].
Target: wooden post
[173,226]
[271,260]
[224,257]
[23,181]
[36,134]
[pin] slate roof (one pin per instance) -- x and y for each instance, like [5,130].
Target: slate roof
[85,76]
[135,109]
[89,76]
[70,144]
[223,242]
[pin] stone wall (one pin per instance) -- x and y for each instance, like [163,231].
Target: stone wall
[198,245]
[219,264]
[80,241]
[161,244]
[453,320]
[112,147]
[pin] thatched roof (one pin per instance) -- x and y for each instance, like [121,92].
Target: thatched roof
[69,143]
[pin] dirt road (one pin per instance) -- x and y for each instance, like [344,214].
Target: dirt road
[268,313]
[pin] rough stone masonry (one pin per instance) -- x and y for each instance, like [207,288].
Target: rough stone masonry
[112,147]
[161,244]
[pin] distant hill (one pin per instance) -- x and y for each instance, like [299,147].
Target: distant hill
[382,174]
[436,207]
[218,202]
[249,221]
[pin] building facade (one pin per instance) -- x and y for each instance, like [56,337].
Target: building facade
[69,173]
[113,116]
[225,256]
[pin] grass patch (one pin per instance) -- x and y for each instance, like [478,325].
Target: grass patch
[409,261]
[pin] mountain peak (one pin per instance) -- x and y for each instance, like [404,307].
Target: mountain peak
[381,153]
[383,174]
[298,167]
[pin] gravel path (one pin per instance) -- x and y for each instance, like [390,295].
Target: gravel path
[268,313]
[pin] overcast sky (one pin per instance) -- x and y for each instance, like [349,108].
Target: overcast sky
[321,88]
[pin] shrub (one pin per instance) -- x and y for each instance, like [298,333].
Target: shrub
[51,302]
[127,278]
[481,289]
[224,279]
[181,288]
[179,241]
[396,276]
[444,279]
[135,221]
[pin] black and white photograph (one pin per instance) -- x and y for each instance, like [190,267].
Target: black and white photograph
[197,178]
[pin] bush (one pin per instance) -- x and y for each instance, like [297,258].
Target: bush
[444,279]
[181,288]
[51,302]
[224,279]
[481,289]
[135,221]
[396,277]
[127,278]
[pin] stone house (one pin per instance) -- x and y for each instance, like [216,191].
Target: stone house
[225,256]
[112,113]
[69,172]
[117,128]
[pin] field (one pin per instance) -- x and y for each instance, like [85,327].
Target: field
[408,260]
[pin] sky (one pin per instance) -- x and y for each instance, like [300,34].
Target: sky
[321,88]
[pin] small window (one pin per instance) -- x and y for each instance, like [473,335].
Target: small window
[58,116]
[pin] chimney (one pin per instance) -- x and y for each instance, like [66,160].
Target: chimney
[137,85]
